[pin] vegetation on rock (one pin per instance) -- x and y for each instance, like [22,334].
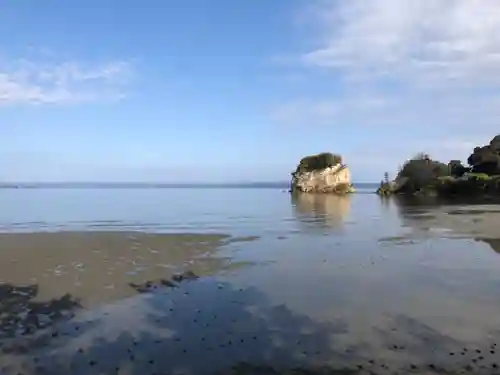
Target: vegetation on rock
[423,176]
[421,170]
[318,162]
[486,159]
[384,189]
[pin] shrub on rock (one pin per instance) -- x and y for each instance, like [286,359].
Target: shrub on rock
[318,162]
[421,170]
[486,159]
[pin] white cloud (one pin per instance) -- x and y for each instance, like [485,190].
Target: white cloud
[408,65]
[329,111]
[40,82]
[389,78]
[400,113]
[423,42]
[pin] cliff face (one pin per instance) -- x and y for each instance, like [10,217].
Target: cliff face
[332,177]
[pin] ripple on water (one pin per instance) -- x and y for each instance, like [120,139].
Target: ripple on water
[317,288]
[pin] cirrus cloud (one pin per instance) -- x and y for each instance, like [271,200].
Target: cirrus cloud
[25,81]
[422,42]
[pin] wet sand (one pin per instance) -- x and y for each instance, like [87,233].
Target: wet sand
[458,221]
[461,221]
[59,316]
[205,326]
[97,267]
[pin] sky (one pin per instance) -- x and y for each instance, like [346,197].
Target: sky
[235,91]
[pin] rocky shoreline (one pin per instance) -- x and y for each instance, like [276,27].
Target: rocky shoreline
[423,176]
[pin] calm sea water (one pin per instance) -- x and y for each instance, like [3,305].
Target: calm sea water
[352,281]
[227,210]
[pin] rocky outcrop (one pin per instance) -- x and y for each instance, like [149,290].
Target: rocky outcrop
[486,159]
[416,175]
[322,173]
[424,176]
[392,187]
[421,170]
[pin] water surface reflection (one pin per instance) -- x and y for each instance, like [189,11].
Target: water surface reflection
[319,211]
[200,327]
[335,295]
[452,218]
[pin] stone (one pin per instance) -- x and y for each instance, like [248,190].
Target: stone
[486,159]
[322,173]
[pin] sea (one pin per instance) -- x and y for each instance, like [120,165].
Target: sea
[245,279]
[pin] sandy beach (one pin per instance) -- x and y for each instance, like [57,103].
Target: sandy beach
[97,267]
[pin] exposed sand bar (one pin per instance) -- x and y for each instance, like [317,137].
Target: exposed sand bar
[97,267]
[476,221]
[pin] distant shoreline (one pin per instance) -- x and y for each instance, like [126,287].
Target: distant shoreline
[152,185]
[117,185]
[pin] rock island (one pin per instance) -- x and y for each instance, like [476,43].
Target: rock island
[321,173]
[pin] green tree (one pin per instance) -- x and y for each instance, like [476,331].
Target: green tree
[456,168]
[421,169]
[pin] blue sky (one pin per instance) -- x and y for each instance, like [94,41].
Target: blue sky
[224,90]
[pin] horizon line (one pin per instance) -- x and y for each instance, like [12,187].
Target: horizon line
[21,184]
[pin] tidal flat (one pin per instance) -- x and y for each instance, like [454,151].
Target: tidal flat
[99,266]
[246,282]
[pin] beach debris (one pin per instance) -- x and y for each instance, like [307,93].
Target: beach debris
[150,286]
